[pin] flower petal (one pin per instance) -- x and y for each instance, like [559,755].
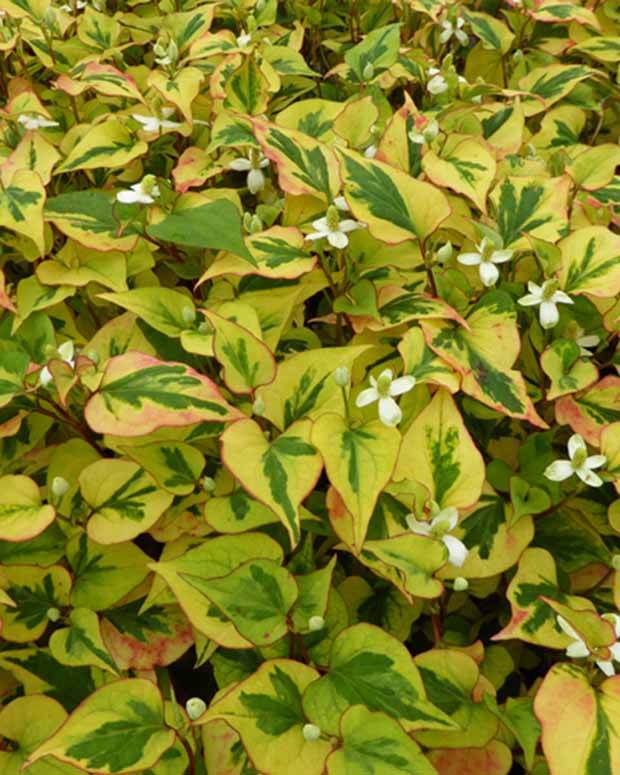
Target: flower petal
[606,667]
[349,225]
[402,385]
[559,470]
[469,259]
[389,412]
[255,180]
[595,461]
[321,225]
[559,297]
[529,300]
[367,397]
[577,650]
[536,290]
[341,203]
[567,628]
[501,256]
[457,551]
[589,477]
[338,239]
[548,314]
[575,444]
[417,526]
[489,273]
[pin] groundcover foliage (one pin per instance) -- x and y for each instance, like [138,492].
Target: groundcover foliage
[309,387]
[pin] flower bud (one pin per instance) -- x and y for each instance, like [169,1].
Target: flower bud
[460,584]
[311,732]
[316,623]
[368,72]
[204,327]
[342,376]
[53,614]
[258,407]
[445,252]
[195,707]
[59,486]
[50,18]
[615,562]
[208,484]
[256,224]
[189,315]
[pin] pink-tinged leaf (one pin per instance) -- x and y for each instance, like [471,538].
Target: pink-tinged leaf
[493,759]
[590,412]
[139,394]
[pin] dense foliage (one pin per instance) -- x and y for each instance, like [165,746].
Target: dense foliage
[309,387]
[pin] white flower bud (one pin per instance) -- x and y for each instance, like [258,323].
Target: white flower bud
[189,315]
[208,484]
[311,732]
[59,486]
[258,407]
[195,707]
[316,623]
[368,72]
[53,614]
[615,562]
[460,584]
[342,376]
[445,252]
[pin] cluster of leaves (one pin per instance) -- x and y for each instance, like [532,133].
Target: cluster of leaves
[301,305]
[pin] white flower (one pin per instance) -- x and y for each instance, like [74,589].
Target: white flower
[449,29]
[65,353]
[145,192]
[579,464]
[486,260]
[244,39]
[154,124]
[253,165]
[585,342]
[311,732]
[59,486]
[437,83]
[383,390]
[427,133]
[578,648]
[332,227]
[316,623]
[371,151]
[342,376]
[442,523]
[34,122]
[548,296]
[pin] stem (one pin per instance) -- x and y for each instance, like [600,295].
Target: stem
[345,398]
[190,755]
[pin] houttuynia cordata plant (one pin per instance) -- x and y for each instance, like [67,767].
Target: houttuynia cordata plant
[309,387]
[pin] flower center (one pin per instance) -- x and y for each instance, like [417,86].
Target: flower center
[441,527]
[383,385]
[579,458]
[549,288]
[148,184]
[332,217]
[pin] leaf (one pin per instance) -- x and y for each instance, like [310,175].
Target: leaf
[21,206]
[305,166]
[237,513]
[493,759]
[304,386]
[314,590]
[438,452]
[484,353]
[139,393]
[465,165]
[527,499]
[568,371]
[108,80]
[370,668]
[22,516]
[88,217]
[77,266]
[119,728]
[181,89]
[591,262]
[285,471]
[33,591]
[578,728]
[493,33]
[175,466]
[379,48]
[359,462]
[162,308]
[267,707]
[530,206]
[108,144]
[189,574]
[125,501]
[247,89]
[548,84]
[81,644]
[215,225]
[592,410]
[409,561]
[382,197]
[375,744]
[246,360]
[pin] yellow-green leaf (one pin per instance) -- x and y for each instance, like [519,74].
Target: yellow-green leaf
[591,262]
[22,515]
[80,643]
[109,144]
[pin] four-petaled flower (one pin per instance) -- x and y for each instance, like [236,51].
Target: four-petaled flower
[448,30]
[548,297]
[332,227]
[65,352]
[436,84]
[254,165]
[154,124]
[145,192]
[383,390]
[441,524]
[33,122]
[578,648]
[579,463]
[486,258]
